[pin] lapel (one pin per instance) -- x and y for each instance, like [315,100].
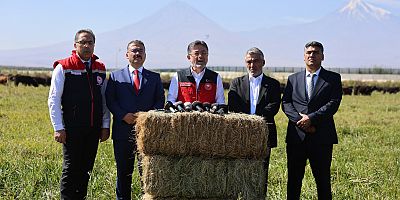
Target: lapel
[263,88]
[320,82]
[246,88]
[126,76]
[145,77]
[301,80]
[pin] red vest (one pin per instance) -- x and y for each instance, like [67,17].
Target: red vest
[82,99]
[206,92]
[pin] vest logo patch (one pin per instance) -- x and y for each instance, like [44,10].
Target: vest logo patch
[99,80]
[208,86]
[76,73]
[185,84]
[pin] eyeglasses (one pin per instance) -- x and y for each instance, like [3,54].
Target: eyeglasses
[140,51]
[89,43]
[197,54]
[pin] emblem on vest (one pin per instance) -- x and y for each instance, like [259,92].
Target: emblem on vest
[208,86]
[99,80]
[185,84]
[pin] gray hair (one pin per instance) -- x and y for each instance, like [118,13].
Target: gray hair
[315,44]
[255,50]
[89,31]
[135,42]
[197,42]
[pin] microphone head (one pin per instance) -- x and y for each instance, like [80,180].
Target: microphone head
[223,107]
[197,105]
[207,106]
[188,106]
[168,104]
[179,105]
[214,107]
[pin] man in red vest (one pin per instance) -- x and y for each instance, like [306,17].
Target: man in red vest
[78,113]
[196,83]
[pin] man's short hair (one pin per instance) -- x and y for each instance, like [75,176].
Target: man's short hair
[85,31]
[136,42]
[255,50]
[315,44]
[197,42]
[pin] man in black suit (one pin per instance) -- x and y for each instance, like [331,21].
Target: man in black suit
[310,100]
[256,94]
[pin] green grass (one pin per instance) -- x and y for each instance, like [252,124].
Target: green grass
[366,162]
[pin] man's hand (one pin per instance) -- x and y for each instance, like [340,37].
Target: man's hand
[104,134]
[130,118]
[60,136]
[304,122]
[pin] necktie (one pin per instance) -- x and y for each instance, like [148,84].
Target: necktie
[136,81]
[311,86]
[88,70]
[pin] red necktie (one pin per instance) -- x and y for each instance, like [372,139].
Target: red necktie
[136,81]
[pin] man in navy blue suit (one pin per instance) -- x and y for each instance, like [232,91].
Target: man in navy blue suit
[310,100]
[130,90]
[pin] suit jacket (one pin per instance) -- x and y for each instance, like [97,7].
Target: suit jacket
[121,98]
[268,103]
[322,105]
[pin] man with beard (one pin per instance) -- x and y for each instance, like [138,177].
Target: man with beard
[130,90]
[257,94]
[78,113]
[196,83]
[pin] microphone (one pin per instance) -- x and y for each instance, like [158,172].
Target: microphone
[188,106]
[179,105]
[222,109]
[170,106]
[214,108]
[207,106]
[196,105]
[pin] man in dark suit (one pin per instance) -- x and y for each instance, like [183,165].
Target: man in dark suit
[310,100]
[130,90]
[256,94]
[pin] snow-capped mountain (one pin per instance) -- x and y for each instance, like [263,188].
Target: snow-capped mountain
[361,10]
[358,35]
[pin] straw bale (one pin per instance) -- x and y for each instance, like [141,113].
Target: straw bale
[202,134]
[195,177]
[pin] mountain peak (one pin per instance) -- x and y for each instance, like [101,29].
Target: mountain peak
[361,10]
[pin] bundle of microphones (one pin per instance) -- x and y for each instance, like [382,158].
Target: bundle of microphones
[214,108]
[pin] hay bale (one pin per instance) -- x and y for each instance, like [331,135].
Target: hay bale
[202,134]
[194,177]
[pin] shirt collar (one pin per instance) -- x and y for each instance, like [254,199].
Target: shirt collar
[316,72]
[83,61]
[255,79]
[197,74]
[131,69]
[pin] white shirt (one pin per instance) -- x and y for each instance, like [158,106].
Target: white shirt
[255,83]
[54,100]
[131,69]
[173,87]
[309,75]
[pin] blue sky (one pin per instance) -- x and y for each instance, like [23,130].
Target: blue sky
[28,24]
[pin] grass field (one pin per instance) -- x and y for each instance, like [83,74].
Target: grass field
[366,162]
